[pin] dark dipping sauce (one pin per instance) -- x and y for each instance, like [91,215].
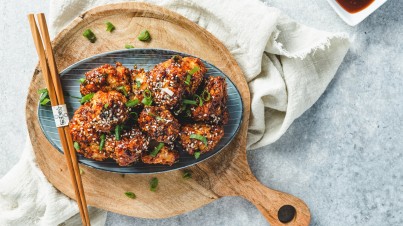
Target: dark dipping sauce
[354,6]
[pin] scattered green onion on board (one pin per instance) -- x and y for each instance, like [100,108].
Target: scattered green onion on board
[128,46]
[199,137]
[90,35]
[197,154]
[81,171]
[44,98]
[82,80]
[187,175]
[109,26]
[123,89]
[153,184]
[87,98]
[102,143]
[118,131]
[130,194]
[76,145]
[157,149]
[132,103]
[144,36]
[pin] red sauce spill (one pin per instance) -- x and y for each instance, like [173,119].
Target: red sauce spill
[354,6]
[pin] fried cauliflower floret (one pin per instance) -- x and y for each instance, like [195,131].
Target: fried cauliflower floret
[159,124]
[106,78]
[166,82]
[84,133]
[128,149]
[166,156]
[214,110]
[138,83]
[109,110]
[195,70]
[212,134]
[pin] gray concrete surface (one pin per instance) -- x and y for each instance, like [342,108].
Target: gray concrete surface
[344,156]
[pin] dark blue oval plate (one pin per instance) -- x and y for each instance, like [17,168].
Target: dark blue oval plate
[144,58]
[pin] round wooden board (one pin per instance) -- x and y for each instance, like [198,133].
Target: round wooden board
[225,174]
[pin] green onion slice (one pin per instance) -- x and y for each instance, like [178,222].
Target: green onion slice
[157,149]
[135,115]
[147,93]
[102,143]
[147,100]
[76,145]
[194,70]
[153,184]
[130,194]
[206,95]
[45,101]
[87,98]
[123,89]
[132,103]
[44,90]
[187,81]
[118,131]
[144,36]
[106,106]
[109,26]
[138,84]
[192,102]
[82,80]
[187,175]
[197,154]
[200,99]
[90,35]
[199,137]
[128,46]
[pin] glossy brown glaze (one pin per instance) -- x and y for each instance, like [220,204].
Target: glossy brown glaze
[354,6]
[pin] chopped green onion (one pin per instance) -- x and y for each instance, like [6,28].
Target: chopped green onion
[81,171]
[206,95]
[197,154]
[194,70]
[123,89]
[76,145]
[144,36]
[187,81]
[87,98]
[153,184]
[130,194]
[192,102]
[118,131]
[135,115]
[102,143]
[138,84]
[109,26]
[175,58]
[157,149]
[200,99]
[106,106]
[90,35]
[147,93]
[199,137]
[40,91]
[82,80]
[45,101]
[128,46]
[155,116]
[132,103]
[187,175]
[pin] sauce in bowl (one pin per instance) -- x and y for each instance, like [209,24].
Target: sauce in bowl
[354,6]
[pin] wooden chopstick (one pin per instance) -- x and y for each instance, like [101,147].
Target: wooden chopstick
[62,132]
[60,96]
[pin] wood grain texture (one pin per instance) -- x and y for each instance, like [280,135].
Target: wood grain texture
[226,174]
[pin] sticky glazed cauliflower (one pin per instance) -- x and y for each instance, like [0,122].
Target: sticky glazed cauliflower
[128,115]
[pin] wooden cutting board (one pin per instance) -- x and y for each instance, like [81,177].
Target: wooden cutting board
[226,174]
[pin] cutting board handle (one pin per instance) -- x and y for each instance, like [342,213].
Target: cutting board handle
[277,207]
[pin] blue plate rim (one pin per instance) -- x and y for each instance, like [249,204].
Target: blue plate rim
[72,66]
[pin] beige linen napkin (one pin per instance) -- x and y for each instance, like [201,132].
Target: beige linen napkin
[288,66]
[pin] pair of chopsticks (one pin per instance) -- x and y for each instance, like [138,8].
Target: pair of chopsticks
[51,76]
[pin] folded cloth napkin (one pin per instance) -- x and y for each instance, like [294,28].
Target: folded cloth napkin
[287,65]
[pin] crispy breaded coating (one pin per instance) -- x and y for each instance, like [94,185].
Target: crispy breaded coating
[138,83]
[159,124]
[215,109]
[212,133]
[84,133]
[109,110]
[166,156]
[128,149]
[106,78]
[191,63]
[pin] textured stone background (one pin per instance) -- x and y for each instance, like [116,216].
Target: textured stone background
[344,156]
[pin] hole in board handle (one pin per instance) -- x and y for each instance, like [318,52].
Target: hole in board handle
[286,213]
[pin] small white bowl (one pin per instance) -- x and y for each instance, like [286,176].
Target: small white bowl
[353,19]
